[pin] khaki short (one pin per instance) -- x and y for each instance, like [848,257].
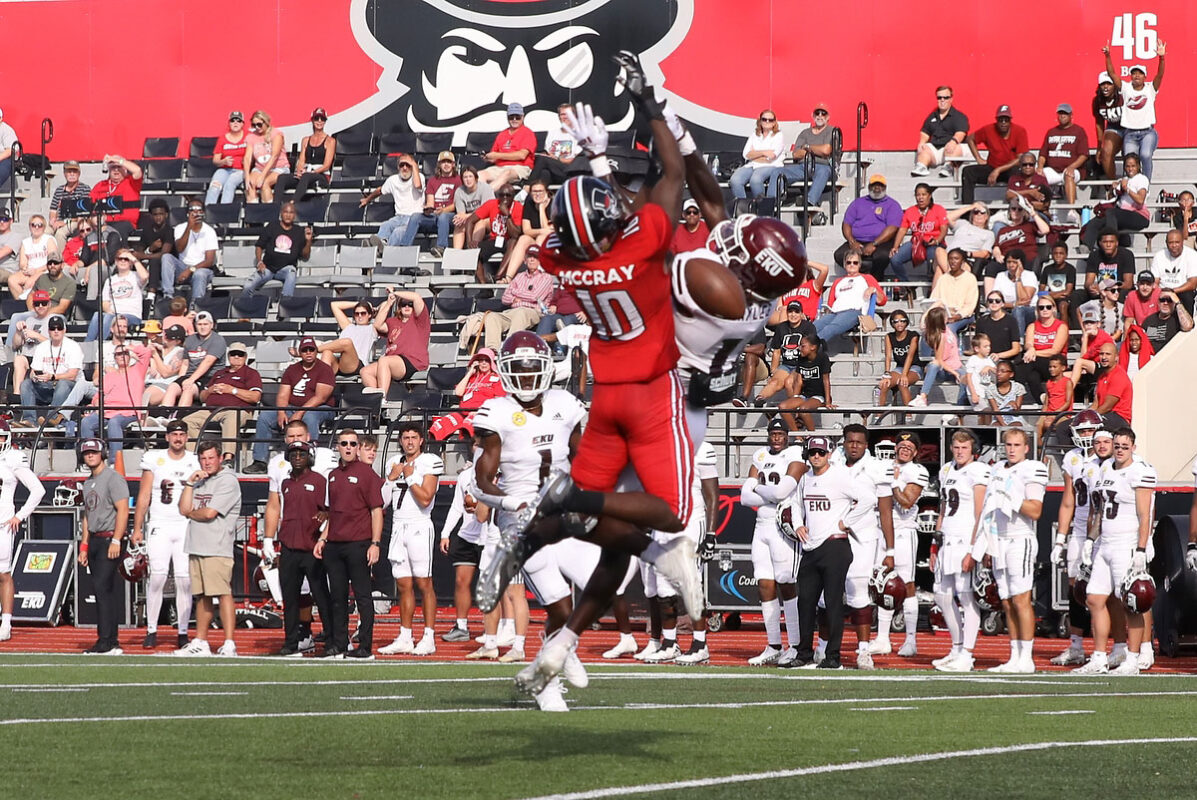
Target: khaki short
[211,576]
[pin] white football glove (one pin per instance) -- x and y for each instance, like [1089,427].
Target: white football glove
[1087,553]
[589,130]
[1059,553]
[1191,557]
[269,554]
[1138,562]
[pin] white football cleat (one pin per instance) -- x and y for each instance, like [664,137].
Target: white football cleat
[1146,659]
[664,655]
[426,647]
[482,653]
[768,656]
[864,660]
[196,647]
[946,659]
[547,665]
[1005,667]
[1130,666]
[909,649]
[5,633]
[787,657]
[512,656]
[573,671]
[880,647]
[626,647]
[551,697]
[653,646]
[1069,657]
[963,662]
[697,655]
[227,649]
[401,646]
[1097,665]
[1024,666]
[505,637]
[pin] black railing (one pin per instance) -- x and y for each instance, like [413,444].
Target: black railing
[15,158]
[47,137]
[862,122]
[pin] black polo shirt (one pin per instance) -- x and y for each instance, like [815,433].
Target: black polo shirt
[941,129]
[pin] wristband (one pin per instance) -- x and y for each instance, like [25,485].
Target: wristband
[509,503]
[686,144]
[889,553]
[599,165]
[83,547]
[374,544]
[1140,549]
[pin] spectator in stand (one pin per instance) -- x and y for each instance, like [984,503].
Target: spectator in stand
[265,159]
[1169,320]
[124,183]
[1004,141]
[407,326]
[1135,352]
[1057,278]
[278,252]
[1107,117]
[154,239]
[941,136]
[31,257]
[1175,265]
[946,348]
[815,141]
[927,222]
[1005,396]
[1018,286]
[168,361]
[350,352]
[1003,331]
[91,250]
[1024,231]
[406,188]
[72,191]
[1029,185]
[851,296]
[229,398]
[179,315]
[979,374]
[205,356]
[513,153]
[314,168]
[53,369]
[1128,212]
[229,158]
[504,218]
[971,236]
[560,149]
[26,331]
[763,155]
[957,292]
[10,244]
[563,309]
[122,389]
[8,138]
[870,224]
[123,294]
[902,366]
[1047,336]
[1144,301]
[1092,338]
[52,294]
[85,390]
[194,254]
[438,205]
[1109,261]
[525,298]
[786,346]
[466,200]
[1115,395]
[305,392]
[811,385]
[808,295]
[1063,154]
[1138,106]
[692,233]
[1108,309]
[480,383]
[1184,218]
[535,227]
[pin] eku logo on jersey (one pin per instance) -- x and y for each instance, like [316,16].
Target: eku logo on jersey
[773,263]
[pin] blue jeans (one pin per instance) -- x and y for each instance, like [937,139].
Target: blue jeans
[393,229]
[1024,316]
[93,327]
[759,180]
[260,279]
[836,324]
[902,259]
[818,181]
[89,426]
[439,224]
[172,265]
[223,188]
[1142,142]
[49,393]
[957,326]
[933,374]
[268,428]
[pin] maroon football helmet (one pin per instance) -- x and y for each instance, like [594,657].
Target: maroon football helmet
[134,564]
[1084,425]
[765,254]
[886,589]
[1138,592]
[985,588]
[936,619]
[525,366]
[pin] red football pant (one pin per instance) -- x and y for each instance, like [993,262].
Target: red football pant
[644,424]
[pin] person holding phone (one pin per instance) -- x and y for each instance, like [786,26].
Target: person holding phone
[278,252]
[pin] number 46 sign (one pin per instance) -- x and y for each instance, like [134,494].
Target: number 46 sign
[1135,34]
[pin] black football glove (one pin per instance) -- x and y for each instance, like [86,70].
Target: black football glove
[635,82]
[706,550]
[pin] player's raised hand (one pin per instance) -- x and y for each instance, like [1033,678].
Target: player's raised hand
[589,130]
[634,80]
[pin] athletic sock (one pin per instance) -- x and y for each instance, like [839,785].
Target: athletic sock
[518,644]
[951,617]
[5,619]
[700,636]
[461,623]
[910,610]
[884,618]
[669,635]
[429,632]
[489,641]
[1076,643]
[790,609]
[404,633]
[1145,648]
[771,610]
[972,620]
[584,502]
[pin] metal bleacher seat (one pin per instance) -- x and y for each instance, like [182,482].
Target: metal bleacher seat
[160,174]
[451,304]
[398,142]
[260,214]
[323,255]
[443,379]
[312,210]
[357,257]
[433,143]
[202,146]
[380,211]
[218,307]
[346,218]
[224,216]
[442,349]
[200,170]
[355,142]
[160,147]
[355,171]
[460,261]
[297,308]
[400,266]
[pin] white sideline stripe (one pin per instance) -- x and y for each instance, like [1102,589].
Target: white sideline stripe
[50,689]
[208,694]
[379,697]
[626,707]
[917,758]
[887,708]
[1060,713]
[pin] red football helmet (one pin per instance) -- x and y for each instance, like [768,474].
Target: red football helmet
[886,589]
[587,216]
[1138,592]
[789,517]
[134,564]
[765,254]
[985,588]
[68,493]
[525,366]
[1084,425]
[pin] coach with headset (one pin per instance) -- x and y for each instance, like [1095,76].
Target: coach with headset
[105,516]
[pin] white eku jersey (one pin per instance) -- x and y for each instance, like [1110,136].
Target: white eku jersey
[168,476]
[1027,480]
[710,346]
[906,519]
[405,507]
[14,469]
[278,468]
[872,470]
[770,469]
[706,466]
[472,530]
[956,486]
[1084,471]
[533,444]
[1119,512]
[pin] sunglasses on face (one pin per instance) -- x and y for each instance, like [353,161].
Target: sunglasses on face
[993,300]
[1046,308]
[849,263]
[691,212]
[37,225]
[773,119]
[41,303]
[820,113]
[123,258]
[347,443]
[515,116]
[943,97]
[361,313]
[307,349]
[816,452]
[258,125]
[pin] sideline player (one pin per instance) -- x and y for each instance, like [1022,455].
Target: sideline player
[1080,467]
[465,549]
[163,473]
[1013,504]
[910,479]
[1121,525]
[411,481]
[774,556]
[962,485]
[14,469]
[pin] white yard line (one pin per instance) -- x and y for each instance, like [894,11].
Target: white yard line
[1060,713]
[209,694]
[888,708]
[50,689]
[379,697]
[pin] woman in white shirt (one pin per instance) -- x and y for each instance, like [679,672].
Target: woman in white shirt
[763,155]
[35,249]
[348,354]
[1129,212]
[123,294]
[1138,107]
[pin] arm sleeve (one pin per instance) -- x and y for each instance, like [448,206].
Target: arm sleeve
[748,495]
[456,511]
[776,493]
[36,491]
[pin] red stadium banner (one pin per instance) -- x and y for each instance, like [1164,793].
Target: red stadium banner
[110,73]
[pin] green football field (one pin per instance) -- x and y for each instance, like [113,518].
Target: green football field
[158,727]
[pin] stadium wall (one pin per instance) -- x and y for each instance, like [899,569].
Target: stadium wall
[1164,422]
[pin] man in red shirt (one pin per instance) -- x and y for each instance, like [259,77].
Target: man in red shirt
[692,233]
[1145,300]
[124,181]
[1028,184]
[1004,140]
[512,154]
[505,217]
[1114,390]
[1063,154]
